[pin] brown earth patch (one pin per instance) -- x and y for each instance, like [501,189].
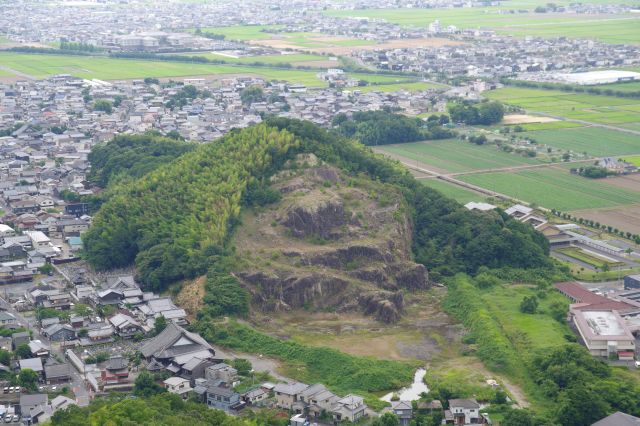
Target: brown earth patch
[629,182]
[524,119]
[191,296]
[316,64]
[626,218]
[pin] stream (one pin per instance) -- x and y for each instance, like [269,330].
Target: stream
[411,393]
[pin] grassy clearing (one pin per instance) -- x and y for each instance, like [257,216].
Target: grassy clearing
[588,258]
[553,188]
[454,155]
[635,160]
[595,141]
[591,108]
[607,28]
[458,193]
[103,68]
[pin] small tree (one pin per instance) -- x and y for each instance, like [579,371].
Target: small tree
[28,379]
[23,351]
[103,105]
[160,324]
[146,386]
[529,305]
[243,366]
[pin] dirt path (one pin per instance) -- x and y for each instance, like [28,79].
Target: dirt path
[518,395]
[18,73]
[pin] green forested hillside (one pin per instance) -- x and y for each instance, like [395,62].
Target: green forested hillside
[175,221]
[133,156]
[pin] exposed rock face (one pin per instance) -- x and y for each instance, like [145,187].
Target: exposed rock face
[315,217]
[332,243]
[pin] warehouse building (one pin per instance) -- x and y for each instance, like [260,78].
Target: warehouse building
[597,77]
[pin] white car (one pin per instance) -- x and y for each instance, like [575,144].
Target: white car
[637,364]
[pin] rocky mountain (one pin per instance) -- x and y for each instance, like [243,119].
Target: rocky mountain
[333,242]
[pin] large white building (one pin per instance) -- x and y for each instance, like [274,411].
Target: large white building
[604,333]
[598,77]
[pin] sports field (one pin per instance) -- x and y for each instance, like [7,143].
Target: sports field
[606,28]
[450,190]
[103,68]
[591,108]
[455,156]
[595,141]
[555,188]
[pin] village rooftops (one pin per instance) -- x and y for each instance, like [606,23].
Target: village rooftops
[469,404]
[618,419]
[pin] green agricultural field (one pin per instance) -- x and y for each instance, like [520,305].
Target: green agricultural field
[554,189]
[243,32]
[591,108]
[411,87]
[552,125]
[450,190]
[103,68]
[457,156]
[635,160]
[595,141]
[265,59]
[607,28]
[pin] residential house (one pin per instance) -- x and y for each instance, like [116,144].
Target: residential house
[351,408]
[618,419]
[255,396]
[403,410]
[116,371]
[39,348]
[174,347]
[60,332]
[21,338]
[223,399]
[463,412]
[7,319]
[34,364]
[57,373]
[35,408]
[179,386]
[222,372]
[125,326]
[287,394]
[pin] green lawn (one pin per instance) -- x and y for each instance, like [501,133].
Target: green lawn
[41,66]
[635,160]
[594,141]
[607,28]
[588,258]
[552,188]
[456,192]
[591,108]
[548,126]
[539,330]
[456,156]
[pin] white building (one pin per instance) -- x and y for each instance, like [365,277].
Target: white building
[598,77]
[604,332]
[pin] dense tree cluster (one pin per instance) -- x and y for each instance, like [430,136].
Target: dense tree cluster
[133,156]
[476,113]
[383,127]
[161,410]
[103,105]
[592,172]
[600,89]
[79,47]
[586,388]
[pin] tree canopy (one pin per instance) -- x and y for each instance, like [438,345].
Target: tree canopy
[479,113]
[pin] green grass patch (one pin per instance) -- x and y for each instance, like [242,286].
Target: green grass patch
[265,59]
[244,32]
[635,160]
[454,155]
[588,258]
[595,141]
[592,108]
[553,188]
[340,372]
[450,190]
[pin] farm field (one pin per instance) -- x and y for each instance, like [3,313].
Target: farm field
[265,59]
[592,108]
[595,141]
[634,159]
[626,218]
[455,156]
[450,190]
[549,126]
[555,189]
[242,32]
[41,66]
[411,87]
[606,28]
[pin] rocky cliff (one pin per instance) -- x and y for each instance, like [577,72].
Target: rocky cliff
[334,242]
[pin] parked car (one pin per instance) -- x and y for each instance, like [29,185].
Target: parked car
[16,418]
